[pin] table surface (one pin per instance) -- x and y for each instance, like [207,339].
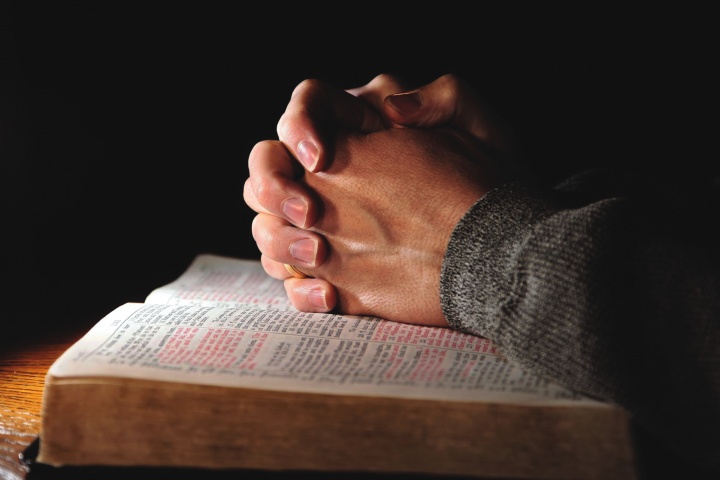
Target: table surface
[22,373]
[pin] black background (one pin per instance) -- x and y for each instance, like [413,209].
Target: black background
[126,126]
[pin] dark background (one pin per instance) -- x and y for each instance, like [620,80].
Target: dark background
[126,126]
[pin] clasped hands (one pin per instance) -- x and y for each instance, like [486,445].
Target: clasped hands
[364,188]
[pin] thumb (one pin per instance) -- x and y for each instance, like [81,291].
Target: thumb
[449,101]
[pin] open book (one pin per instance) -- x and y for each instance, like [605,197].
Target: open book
[218,370]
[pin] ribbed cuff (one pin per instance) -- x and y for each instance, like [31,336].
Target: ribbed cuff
[477,274]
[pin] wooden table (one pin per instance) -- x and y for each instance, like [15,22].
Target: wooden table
[22,372]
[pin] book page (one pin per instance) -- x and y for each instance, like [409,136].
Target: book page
[290,350]
[223,281]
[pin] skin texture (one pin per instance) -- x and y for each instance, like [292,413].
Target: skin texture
[370,215]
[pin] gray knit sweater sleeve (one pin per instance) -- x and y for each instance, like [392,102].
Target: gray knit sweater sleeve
[612,294]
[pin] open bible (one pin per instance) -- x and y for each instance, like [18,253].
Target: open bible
[217,370]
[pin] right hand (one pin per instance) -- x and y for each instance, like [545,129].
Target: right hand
[316,112]
[389,201]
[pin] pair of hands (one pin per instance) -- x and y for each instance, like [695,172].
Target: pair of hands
[364,188]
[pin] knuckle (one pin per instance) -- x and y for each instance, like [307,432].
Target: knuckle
[307,85]
[260,151]
[264,236]
[256,227]
[378,79]
[451,82]
[282,127]
[383,79]
[265,189]
[286,125]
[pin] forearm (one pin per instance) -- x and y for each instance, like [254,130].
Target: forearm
[594,291]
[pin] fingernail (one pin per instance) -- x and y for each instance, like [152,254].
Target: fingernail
[296,210]
[307,154]
[304,250]
[405,103]
[316,296]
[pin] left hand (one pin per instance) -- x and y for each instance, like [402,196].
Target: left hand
[316,112]
[389,202]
